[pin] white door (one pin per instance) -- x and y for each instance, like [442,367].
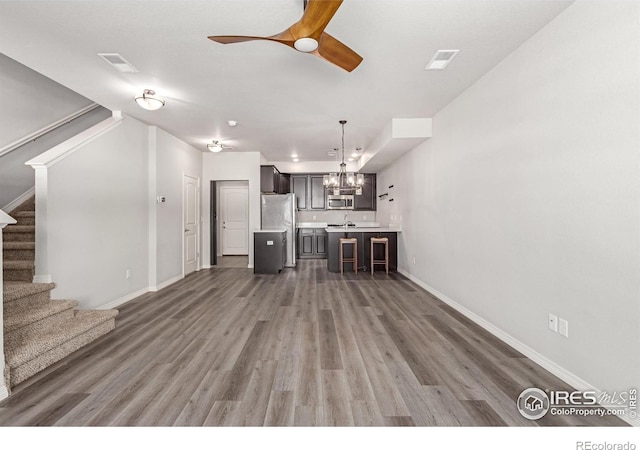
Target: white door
[234,212]
[191,213]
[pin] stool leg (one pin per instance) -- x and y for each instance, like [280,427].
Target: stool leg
[386,256]
[341,263]
[355,256]
[371,256]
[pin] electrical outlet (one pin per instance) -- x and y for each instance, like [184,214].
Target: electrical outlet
[553,323]
[127,274]
[314,217]
[563,326]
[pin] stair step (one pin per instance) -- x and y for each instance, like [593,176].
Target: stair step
[23,233]
[20,229]
[43,340]
[14,291]
[13,251]
[39,316]
[45,350]
[17,265]
[18,270]
[25,214]
[16,245]
[25,217]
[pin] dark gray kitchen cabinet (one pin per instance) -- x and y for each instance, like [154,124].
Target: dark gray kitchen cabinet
[368,200]
[285,183]
[269,179]
[299,185]
[312,243]
[317,197]
[272,181]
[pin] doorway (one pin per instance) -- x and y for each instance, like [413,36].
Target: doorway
[191,223]
[233,213]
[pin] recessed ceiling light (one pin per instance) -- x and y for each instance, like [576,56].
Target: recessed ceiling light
[295,160]
[441,59]
[354,154]
[232,123]
[294,155]
[118,62]
[350,159]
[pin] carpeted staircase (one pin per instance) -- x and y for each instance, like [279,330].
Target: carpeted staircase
[38,331]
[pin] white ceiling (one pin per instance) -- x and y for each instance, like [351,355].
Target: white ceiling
[284,101]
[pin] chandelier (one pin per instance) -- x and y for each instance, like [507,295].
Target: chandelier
[343,180]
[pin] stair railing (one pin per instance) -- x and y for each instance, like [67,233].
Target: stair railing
[48,129]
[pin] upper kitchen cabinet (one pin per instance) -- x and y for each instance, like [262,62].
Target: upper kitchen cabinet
[368,200]
[317,195]
[299,187]
[309,191]
[285,182]
[272,181]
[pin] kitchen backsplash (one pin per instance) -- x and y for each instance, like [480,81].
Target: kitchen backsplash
[336,216]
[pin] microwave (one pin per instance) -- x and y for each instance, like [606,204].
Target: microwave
[339,201]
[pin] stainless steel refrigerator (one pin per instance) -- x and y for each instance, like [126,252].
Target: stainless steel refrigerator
[279,211]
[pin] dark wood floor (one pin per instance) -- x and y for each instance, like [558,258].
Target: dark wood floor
[306,347]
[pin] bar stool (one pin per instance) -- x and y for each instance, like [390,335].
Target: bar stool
[354,260]
[385,261]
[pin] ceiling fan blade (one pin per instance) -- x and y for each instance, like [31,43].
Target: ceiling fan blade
[316,17]
[235,39]
[337,53]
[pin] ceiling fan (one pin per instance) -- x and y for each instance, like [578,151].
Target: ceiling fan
[307,35]
[216,146]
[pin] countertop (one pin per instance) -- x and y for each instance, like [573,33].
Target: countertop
[273,230]
[311,225]
[364,230]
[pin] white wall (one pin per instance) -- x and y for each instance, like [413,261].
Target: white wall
[173,159]
[98,218]
[525,201]
[223,166]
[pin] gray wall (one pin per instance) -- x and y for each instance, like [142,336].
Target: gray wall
[525,201]
[29,102]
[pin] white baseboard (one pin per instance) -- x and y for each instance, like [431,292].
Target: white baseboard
[166,283]
[124,299]
[42,278]
[4,392]
[206,266]
[557,370]
[127,298]
[19,201]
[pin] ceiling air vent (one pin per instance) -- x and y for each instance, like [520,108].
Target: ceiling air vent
[441,59]
[118,62]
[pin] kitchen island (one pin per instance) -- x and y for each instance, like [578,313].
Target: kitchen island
[363,235]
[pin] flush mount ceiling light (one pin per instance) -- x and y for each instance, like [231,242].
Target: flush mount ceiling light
[441,59]
[216,146]
[232,123]
[149,100]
